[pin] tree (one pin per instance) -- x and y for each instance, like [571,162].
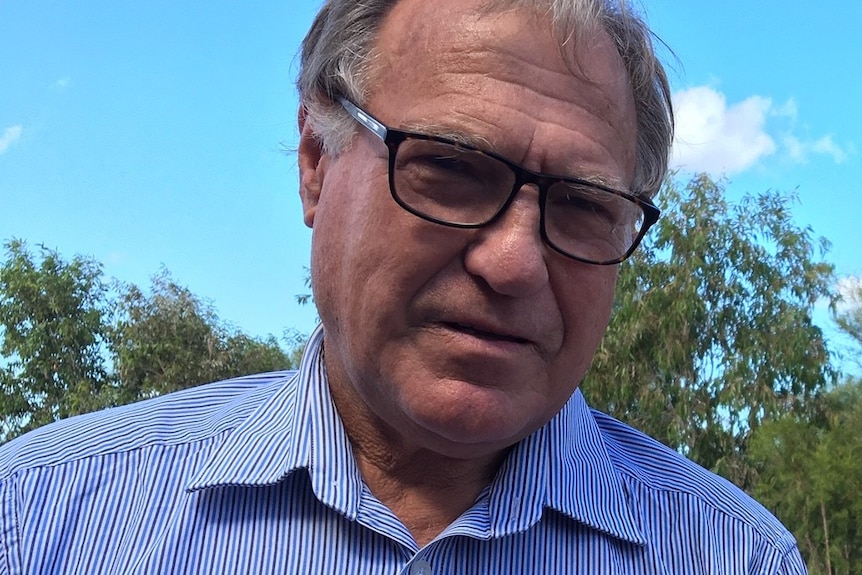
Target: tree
[72,341]
[53,327]
[810,464]
[810,476]
[712,330]
[848,314]
[170,339]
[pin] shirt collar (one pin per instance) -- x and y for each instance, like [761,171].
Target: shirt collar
[582,481]
[295,427]
[563,466]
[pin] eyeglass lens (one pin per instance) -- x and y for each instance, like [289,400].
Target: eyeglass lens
[460,186]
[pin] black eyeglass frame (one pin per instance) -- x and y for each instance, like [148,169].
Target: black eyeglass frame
[393,138]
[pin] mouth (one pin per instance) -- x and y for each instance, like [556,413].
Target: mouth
[485,334]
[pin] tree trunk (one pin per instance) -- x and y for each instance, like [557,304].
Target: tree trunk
[826,537]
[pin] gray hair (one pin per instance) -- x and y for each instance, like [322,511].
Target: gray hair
[337,57]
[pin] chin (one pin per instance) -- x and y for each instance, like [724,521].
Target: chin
[474,426]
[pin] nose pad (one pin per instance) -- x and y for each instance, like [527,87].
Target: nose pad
[509,254]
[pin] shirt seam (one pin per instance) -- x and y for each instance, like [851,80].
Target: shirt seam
[10,528]
[782,543]
[18,471]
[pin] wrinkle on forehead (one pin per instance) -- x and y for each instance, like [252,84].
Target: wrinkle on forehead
[461,62]
[476,42]
[473,128]
[469,24]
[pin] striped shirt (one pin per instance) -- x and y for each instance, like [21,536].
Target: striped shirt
[256,476]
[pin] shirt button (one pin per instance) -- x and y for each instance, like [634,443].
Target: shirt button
[420,567]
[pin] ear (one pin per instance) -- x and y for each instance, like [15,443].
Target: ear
[311,168]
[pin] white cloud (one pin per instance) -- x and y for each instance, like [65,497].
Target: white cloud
[714,137]
[800,151]
[10,135]
[61,84]
[787,110]
[825,145]
[720,138]
[850,290]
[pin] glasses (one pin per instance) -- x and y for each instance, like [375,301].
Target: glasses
[457,185]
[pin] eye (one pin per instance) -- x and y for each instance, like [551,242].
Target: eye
[578,202]
[450,164]
[584,200]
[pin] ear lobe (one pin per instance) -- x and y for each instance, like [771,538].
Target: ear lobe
[311,168]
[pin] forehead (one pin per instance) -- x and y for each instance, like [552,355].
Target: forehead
[502,76]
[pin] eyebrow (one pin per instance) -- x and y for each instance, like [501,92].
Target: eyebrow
[601,180]
[453,134]
[483,144]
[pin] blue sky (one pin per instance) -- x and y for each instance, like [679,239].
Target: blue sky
[153,133]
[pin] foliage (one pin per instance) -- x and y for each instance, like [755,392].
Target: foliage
[848,316]
[171,339]
[72,342]
[308,297]
[296,342]
[851,321]
[52,317]
[811,478]
[712,331]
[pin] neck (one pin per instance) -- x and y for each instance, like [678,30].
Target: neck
[426,491]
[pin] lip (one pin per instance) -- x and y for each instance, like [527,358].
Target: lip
[484,328]
[486,333]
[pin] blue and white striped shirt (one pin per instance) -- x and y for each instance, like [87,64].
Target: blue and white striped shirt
[256,476]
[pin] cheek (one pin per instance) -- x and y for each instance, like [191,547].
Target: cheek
[342,225]
[586,306]
[370,258]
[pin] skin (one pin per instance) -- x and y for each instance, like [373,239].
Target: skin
[445,347]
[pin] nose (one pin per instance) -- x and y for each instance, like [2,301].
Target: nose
[509,253]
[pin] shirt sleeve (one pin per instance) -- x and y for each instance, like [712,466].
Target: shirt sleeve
[792,564]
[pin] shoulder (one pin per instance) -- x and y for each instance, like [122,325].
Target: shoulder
[667,484]
[183,417]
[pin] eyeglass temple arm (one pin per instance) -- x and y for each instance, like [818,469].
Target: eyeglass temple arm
[365,119]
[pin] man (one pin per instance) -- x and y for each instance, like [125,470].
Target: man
[472,171]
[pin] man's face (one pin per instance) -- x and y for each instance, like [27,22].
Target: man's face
[465,341]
